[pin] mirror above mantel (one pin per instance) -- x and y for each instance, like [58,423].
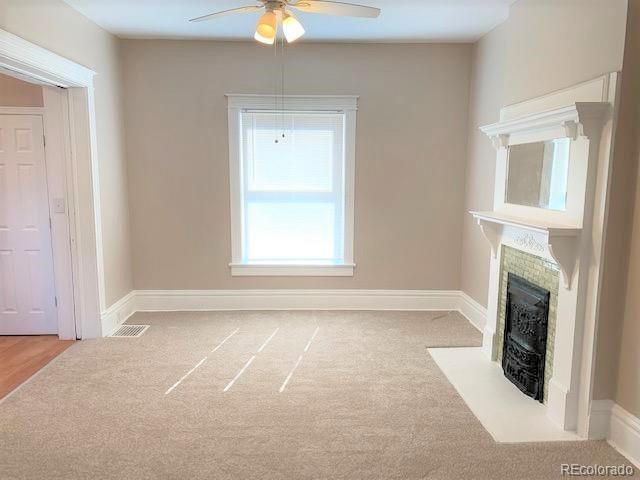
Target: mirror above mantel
[537,174]
[542,175]
[543,161]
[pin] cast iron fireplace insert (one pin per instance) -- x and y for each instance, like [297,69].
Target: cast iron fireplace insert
[525,335]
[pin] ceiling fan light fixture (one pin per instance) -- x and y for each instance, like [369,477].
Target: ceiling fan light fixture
[292,28]
[267,28]
[265,40]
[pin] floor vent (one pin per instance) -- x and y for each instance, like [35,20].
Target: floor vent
[130,331]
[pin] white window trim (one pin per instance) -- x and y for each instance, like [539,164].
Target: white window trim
[348,104]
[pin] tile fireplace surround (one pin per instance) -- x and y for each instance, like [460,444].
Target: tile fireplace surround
[558,250]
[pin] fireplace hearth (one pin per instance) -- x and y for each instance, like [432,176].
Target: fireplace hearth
[525,335]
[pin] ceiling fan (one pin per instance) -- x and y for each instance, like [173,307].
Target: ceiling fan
[278,13]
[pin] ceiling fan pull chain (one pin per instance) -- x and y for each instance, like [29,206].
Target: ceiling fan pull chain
[282,57]
[275,96]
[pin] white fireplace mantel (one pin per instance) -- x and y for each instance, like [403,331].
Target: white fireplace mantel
[561,240]
[570,237]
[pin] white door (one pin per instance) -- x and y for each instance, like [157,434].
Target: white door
[27,294]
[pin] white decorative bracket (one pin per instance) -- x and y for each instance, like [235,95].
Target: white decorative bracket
[564,252]
[492,232]
[570,129]
[500,141]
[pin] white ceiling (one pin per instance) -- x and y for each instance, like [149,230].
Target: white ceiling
[400,21]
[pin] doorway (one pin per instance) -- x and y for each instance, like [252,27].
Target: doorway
[69,121]
[29,315]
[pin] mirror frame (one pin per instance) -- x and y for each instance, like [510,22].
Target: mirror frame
[582,123]
[576,181]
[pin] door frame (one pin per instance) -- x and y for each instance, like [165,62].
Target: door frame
[71,150]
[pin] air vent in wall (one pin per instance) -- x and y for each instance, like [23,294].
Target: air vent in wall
[130,331]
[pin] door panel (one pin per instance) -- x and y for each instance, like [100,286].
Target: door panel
[27,293]
[8,298]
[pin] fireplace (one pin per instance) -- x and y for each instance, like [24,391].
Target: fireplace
[525,335]
[544,337]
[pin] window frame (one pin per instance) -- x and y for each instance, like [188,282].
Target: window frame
[236,104]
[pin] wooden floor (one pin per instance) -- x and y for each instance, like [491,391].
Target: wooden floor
[21,357]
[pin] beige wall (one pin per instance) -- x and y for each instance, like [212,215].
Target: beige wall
[618,353]
[545,45]
[409,161]
[487,86]
[54,25]
[16,93]
[628,384]
[553,44]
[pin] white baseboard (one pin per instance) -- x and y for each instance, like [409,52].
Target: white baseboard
[620,428]
[624,434]
[177,300]
[475,313]
[599,419]
[220,300]
[117,314]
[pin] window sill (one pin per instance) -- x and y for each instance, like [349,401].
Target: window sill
[252,270]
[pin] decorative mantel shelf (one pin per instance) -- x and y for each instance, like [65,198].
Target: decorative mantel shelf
[562,240]
[581,118]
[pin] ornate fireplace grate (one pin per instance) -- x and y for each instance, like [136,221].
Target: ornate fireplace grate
[525,335]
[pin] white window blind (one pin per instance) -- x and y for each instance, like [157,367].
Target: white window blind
[292,189]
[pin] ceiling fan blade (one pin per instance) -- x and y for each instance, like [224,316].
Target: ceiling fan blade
[335,8]
[211,16]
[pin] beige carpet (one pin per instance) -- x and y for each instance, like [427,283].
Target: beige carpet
[366,402]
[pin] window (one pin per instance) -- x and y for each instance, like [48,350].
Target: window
[292,185]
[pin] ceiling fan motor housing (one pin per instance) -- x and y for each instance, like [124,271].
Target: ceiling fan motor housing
[274,5]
